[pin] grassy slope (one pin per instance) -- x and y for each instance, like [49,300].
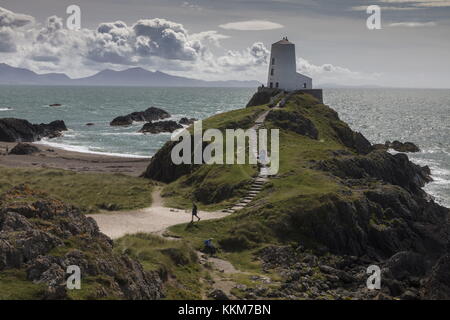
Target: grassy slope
[297,188]
[88,191]
[224,182]
[175,260]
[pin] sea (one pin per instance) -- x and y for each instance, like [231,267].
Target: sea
[421,116]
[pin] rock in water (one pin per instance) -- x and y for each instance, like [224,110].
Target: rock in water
[20,130]
[151,114]
[402,147]
[160,126]
[24,149]
[187,121]
[55,105]
[42,237]
[122,121]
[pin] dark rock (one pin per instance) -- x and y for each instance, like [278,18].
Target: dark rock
[30,232]
[394,169]
[437,285]
[218,295]
[24,149]
[380,147]
[187,121]
[90,124]
[151,114]
[160,126]
[410,295]
[55,105]
[275,256]
[402,147]
[122,121]
[262,97]
[19,130]
[351,139]
[406,264]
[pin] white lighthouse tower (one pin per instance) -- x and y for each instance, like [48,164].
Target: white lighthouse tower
[283,68]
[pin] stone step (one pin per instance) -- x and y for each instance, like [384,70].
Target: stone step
[246,201]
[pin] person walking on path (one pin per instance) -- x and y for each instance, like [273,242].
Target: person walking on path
[194,213]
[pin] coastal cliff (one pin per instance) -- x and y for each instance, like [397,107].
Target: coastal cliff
[336,206]
[40,237]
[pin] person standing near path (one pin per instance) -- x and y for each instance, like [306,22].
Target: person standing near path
[194,212]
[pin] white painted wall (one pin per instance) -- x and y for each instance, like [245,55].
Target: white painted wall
[283,68]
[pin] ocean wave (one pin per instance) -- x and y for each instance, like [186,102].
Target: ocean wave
[83,149]
[6,109]
[119,134]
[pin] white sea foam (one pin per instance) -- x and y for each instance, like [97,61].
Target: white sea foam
[6,109]
[83,149]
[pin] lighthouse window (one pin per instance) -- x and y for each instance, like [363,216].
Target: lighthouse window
[273,61]
[271,85]
[272,72]
[277,85]
[304,85]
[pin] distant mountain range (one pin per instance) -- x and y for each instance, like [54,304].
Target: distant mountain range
[129,77]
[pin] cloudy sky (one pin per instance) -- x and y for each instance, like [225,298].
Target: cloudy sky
[230,39]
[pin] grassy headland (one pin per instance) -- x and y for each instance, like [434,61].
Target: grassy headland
[90,192]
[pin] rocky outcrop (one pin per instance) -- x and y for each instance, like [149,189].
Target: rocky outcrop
[293,121]
[19,130]
[437,285]
[263,96]
[24,149]
[187,121]
[394,169]
[160,126]
[402,147]
[44,236]
[151,114]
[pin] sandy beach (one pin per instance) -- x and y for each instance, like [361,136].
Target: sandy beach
[51,157]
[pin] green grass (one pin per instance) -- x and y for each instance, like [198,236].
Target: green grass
[15,286]
[215,187]
[88,191]
[175,260]
[298,190]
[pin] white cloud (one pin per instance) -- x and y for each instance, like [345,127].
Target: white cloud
[384,8]
[433,4]
[254,56]
[150,43]
[251,25]
[10,23]
[413,24]
[193,6]
[421,3]
[11,19]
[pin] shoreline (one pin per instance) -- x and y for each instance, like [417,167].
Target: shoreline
[51,157]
